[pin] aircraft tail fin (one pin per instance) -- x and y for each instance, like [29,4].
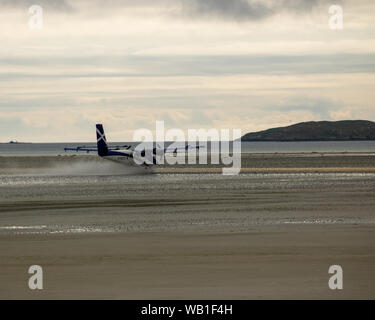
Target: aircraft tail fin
[101,141]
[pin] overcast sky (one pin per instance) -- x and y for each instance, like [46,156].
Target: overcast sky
[193,63]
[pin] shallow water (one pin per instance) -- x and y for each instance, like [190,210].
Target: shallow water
[65,204]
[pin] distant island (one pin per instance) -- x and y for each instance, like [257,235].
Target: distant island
[345,130]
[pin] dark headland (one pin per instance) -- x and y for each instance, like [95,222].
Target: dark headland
[345,130]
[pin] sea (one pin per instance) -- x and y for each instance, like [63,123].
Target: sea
[55,149]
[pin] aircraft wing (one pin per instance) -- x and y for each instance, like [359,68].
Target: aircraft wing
[92,149]
[181,148]
[84,149]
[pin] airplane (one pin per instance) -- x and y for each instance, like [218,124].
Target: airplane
[126,154]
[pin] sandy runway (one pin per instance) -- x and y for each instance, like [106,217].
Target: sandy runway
[290,262]
[261,234]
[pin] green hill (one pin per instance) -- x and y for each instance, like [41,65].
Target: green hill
[317,131]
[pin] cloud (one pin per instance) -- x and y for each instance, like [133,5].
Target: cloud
[136,61]
[248,10]
[320,108]
[236,10]
[55,5]
[169,66]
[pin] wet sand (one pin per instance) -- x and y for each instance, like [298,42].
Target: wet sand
[91,164]
[266,263]
[264,234]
